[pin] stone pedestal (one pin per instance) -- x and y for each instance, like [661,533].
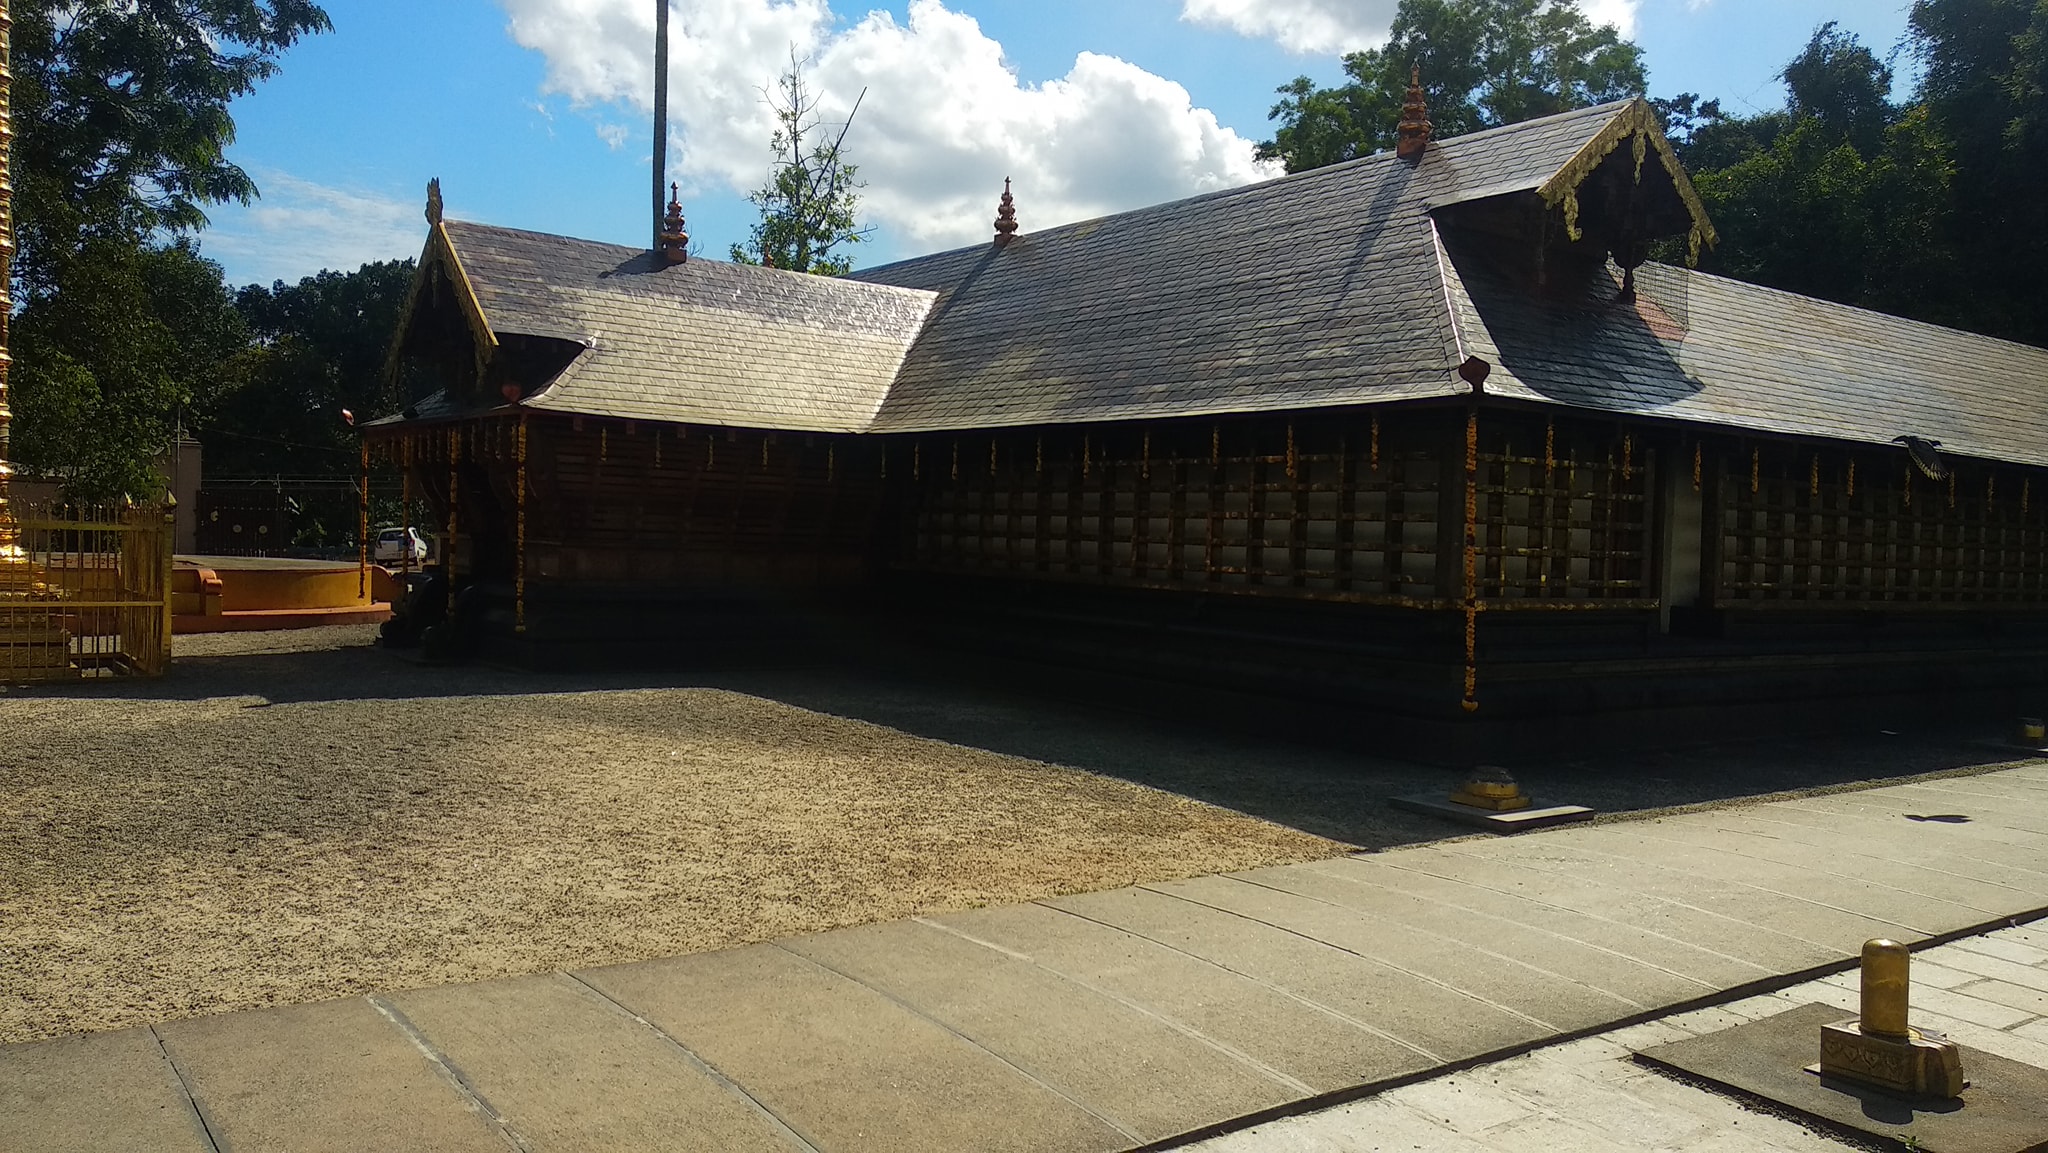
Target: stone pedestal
[1917,1064]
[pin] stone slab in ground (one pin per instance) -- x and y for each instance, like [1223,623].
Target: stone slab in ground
[2005,1109]
[1539,814]
[113,1092]
[843,1065]
[569,1071]
[1444,1021]
[1310,1042]
[332,1077]
[1150,1075]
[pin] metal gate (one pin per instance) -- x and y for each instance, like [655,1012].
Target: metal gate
[84,591]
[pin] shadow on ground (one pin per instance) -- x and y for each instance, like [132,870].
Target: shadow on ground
[1332,785]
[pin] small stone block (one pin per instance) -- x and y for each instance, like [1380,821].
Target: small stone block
[1537,816]
[1491,804]
[2003,1109]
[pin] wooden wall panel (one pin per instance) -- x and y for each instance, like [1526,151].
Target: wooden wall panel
[1809,528]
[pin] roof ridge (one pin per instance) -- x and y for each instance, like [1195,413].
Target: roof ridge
[1324,172]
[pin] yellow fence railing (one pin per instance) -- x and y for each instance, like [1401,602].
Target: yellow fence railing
[85,591]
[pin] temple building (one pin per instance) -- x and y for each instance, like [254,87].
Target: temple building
[1425,439]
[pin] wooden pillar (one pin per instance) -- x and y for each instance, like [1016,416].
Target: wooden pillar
[363,525]
[454,519]
[1679,509]
[1470,703]
[519,538]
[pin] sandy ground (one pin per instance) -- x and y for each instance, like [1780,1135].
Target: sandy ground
[272,827]
[294,816]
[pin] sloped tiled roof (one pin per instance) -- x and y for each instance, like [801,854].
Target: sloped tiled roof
[1312,290]
[703,342]
[1327,288]
[1716,351]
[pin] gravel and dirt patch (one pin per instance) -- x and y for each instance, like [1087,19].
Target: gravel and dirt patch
[295,816]
[276,823]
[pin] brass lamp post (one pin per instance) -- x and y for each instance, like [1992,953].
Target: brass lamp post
[13,562]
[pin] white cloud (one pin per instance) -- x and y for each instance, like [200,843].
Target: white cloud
[944,120]
[1620,13]
[1306,26]
[299,227]
[1326,27]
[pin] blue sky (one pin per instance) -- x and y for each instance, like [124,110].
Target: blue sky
[532,112]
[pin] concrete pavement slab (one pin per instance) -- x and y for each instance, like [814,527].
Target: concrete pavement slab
[1150,1075]
[567,1070]
[1313,1044]
[844,1066]
[1428,1013]
[2016,814]
[2021,866]
[1616,973]
[2034,1001]
[1735,860]
[1936,873]
[1557,999]
[1608,895]
[1880,864]
[1703,965]
[100,1093]
[1896,816]
[332,1077]
[1696,885]
[2018,952]
[2007,795]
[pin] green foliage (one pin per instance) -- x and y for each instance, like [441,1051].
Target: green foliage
[1934,208]
[1837,83]
[121,122]
[131,336]
[121,114]
[809,205]
[1985,90]
[319,347]
[1484,63]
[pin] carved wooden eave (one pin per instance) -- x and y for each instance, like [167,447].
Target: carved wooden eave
[440,253]
[1639,126]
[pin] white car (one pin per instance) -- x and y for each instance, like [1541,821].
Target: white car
[399,545]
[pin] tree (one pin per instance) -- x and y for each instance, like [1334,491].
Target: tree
[1843,87]
[1484,63]
[318,347]
[102,369]
[1933,209]
[122,124]
[808,205]
[121,114]
[1985,89]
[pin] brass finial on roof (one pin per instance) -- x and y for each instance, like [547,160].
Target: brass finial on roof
[675,240]
[434,201]
[1006,217]
[1415,127]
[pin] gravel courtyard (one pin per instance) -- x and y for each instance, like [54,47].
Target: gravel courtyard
[296,816]
[271,826]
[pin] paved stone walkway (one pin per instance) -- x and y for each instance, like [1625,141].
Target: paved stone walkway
[1098,1022]
[1988,992]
